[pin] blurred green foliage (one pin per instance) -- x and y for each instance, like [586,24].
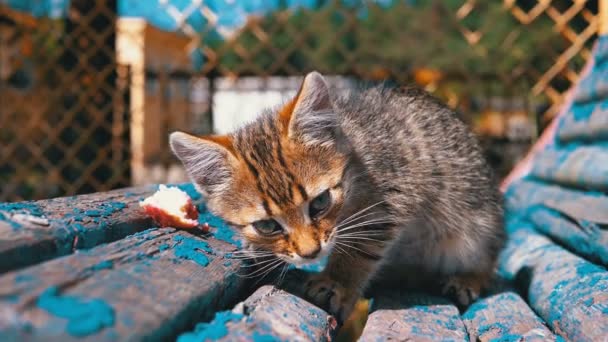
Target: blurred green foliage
[370,40]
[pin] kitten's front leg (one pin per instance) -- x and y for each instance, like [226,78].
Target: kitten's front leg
[341,284]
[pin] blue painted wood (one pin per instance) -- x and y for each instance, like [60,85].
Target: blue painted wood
[584,167]
[573,218]
[32,232]
[148,286]
[418,317]
[504,316]
[568,292]
[586,238]
[269,314]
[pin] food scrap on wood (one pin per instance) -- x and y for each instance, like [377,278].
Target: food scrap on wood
[172,207]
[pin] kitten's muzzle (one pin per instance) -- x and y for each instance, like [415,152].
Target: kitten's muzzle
[310,254]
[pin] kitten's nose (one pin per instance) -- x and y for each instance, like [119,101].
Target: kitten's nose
[311,253]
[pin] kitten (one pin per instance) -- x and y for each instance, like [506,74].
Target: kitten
[390,182]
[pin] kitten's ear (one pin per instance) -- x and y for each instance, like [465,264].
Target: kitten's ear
[310,116]
[209,161]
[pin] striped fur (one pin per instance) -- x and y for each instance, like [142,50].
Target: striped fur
[411,196]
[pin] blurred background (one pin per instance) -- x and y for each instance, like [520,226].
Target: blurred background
[89,90]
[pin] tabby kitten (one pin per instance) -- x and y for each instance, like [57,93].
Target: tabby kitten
[388,183]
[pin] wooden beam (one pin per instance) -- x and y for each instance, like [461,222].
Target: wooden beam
[32,232]
[130,51]
[569,293]
[22,19]
[572,218]
[144,49]
[269,314]
[417,316]
[504,313]
[148,286]
[603,16]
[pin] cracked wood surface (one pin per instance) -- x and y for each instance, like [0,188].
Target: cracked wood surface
[153,283]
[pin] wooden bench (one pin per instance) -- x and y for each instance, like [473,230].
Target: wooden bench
[94,267]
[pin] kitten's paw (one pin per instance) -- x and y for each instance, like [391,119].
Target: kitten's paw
[464,290]
[330,296]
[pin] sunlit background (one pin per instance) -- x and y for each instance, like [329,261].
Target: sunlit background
[89,90]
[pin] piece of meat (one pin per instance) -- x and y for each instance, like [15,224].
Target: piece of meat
[171,207]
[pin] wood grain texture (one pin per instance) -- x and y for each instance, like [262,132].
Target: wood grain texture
[148,286]
[415,317]
[583,168]
[270,314]
[572,218]
[569,293]
[32,232]
[504,316]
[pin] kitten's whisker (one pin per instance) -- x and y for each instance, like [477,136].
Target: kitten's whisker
[360,212]
[261,270]
[353,247]
[341,224]
[354,239]
[251,255]
[255,257]
[370,234]
[364,232]
[283,274]
[267,273]
[341,249]
[245,251]
[367,223]
[348,219]
[363,222]
[238,255]
[259,263]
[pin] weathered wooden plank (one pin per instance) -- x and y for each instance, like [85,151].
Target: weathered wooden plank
[417,317]
[269,314]
[31,232]
[504,316]
[527,193]
[568,292]
[573,218]
[148,286]
[583,167]
[586,238]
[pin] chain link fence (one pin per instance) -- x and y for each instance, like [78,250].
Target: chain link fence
[88,92]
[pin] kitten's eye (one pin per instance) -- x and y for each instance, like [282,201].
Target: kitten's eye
[267,227]
[319,204]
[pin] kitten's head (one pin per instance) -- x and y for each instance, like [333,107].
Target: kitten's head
[278,179]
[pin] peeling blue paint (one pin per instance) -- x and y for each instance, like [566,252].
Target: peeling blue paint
[192,249]
[163,247]
[85,317]
[25,208]
[304,327]
[225,233]
[104,265]
[28,208]
[211,331]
